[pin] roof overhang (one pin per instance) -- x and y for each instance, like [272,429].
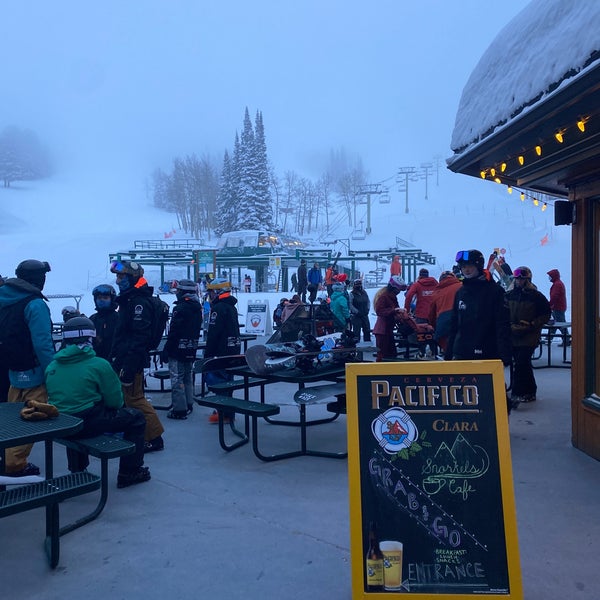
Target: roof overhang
[560,166]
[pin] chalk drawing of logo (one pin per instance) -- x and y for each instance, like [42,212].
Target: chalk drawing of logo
[394,430]
[255,320]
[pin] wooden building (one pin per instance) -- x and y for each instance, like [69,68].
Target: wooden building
[529,118]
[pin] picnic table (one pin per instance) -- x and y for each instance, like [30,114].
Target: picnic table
[550,331]
[332,372]
[49,492]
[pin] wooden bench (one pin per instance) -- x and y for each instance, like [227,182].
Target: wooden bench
[228,405]
[103,447]
[48,493]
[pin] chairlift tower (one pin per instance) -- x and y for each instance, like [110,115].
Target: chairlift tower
[407,172]
[368,190]
[426,168]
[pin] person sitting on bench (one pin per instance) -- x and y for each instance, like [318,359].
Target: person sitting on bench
[81,384]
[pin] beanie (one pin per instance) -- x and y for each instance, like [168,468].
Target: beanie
[423,273]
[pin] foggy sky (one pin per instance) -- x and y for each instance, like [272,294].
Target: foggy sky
[134,84]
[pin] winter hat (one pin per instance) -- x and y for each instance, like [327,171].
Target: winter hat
[78,330]
[397,283]
[342,277]
[357,283]
[220,284]
[33,271]
[187,286]
[302,261]
[423,273]
[338,287]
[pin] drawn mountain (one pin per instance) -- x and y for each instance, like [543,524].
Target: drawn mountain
[444,455]
[463,452]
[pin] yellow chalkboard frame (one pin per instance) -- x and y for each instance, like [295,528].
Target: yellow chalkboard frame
[382,369]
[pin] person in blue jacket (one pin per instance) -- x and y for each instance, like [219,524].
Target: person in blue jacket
[26,346]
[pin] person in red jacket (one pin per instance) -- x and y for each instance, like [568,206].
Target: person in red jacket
[421,291]
[558,304]
[395,267]
[440,310]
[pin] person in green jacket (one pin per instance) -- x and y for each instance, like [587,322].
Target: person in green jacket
[339,307]
[81,384]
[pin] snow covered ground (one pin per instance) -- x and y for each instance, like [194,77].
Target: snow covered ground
[75,224]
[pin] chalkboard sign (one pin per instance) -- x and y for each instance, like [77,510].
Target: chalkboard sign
[431,481]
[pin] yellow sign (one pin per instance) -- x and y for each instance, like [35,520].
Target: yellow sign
[430,479]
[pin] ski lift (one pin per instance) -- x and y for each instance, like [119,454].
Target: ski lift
[358,234]
[384,198]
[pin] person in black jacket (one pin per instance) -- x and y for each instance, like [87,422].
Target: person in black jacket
[302,280]
[480,325]
[104,319]
[360,305]
[223,333]
[130,352]
[181,346]
[529,311]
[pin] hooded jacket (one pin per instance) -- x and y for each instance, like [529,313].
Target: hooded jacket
[442,301]
[223,334]
[130,349]
[339,308]
[32,326]
[558,293]
[77,379]
[480,326]
[529,310]
[421,290]
[184,328]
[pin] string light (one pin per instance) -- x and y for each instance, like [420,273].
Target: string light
[522,196]
[534,200]
[559,136]
[497,180]
[544,206]
[509,189]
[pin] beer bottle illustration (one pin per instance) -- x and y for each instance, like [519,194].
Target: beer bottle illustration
[374,561]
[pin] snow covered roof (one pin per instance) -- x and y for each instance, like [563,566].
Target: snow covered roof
[545,48]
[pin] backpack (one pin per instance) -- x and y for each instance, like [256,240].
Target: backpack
[160,318]
[16,347]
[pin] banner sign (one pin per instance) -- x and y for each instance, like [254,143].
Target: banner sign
[432,509]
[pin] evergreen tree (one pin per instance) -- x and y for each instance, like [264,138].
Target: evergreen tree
[22,157]
[263,191]
[225,218]
[248,215]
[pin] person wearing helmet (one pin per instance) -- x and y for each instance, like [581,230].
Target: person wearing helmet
[105,319]
[84,385]
[181,346]
[529,311]
[360,305]
[480,325]
[130,348]
[68,312]
[388,313]
[26,347]
[223,333]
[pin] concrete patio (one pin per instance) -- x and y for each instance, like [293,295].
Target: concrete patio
[219,525]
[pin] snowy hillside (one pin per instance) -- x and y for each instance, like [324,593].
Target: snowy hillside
[74,225]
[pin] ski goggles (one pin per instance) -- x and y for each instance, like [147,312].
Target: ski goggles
[466,256]
[116,266]
[522,273]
